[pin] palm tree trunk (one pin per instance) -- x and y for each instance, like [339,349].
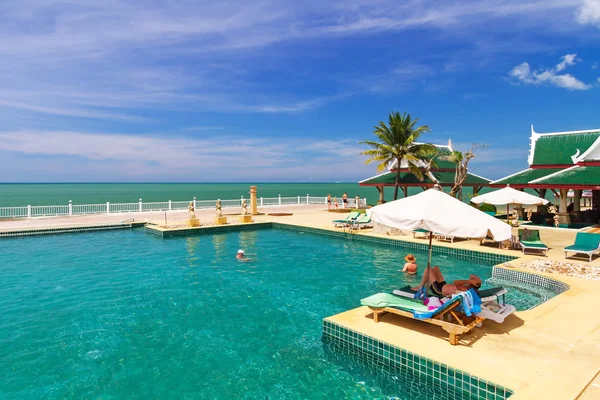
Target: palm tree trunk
[397,183]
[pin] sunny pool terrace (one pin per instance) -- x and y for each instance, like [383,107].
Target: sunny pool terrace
[549,351]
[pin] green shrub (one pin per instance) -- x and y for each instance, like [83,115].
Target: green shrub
[487,208]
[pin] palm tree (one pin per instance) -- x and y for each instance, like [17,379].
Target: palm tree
[397,142]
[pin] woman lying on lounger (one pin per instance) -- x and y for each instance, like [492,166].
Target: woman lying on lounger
[435,280]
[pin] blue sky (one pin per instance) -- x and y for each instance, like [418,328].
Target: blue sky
[280,90]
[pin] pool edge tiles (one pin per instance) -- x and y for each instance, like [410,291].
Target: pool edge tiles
[67,229]
[206,230]
[430,370]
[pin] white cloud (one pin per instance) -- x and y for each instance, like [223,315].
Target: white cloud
[225,156]
[588,13]
[551,76]
[113,59]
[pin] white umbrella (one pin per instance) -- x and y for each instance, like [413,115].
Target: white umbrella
[439,212]
[509,196]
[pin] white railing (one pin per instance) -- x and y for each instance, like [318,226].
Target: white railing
[140,206]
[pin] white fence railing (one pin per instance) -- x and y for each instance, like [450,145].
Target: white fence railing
[120,208]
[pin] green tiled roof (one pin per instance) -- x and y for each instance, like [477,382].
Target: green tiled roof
[570,176]
[445,178]
[440,162]
[558,149]
[524,177]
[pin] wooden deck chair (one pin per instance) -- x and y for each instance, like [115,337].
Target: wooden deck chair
[447,316]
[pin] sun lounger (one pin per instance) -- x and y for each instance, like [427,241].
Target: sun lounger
[361,222]
[425,233]
[459,322]
[530,240]
[585,243]
[493,302]
[349,219]
[446,238]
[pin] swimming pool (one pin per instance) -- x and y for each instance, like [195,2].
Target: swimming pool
[121,314]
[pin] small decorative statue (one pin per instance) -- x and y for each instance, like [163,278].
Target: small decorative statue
[515,216]
[219,212]
[191,210]
[244,207]
[529,213]
[555,218]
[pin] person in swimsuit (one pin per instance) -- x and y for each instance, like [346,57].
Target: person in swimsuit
[411,266]
[328,201]
[439,287]
[345,199]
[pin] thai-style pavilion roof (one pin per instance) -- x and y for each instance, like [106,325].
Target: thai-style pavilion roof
[560,159]
[522,178]
[445,178]
[561,148]
[580,175]
[443,171]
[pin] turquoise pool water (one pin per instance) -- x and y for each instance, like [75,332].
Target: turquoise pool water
[123,314]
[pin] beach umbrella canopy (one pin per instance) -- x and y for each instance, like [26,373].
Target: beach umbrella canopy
[441,213]
[507,196]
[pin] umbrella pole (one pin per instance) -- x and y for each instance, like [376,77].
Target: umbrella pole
[430,246]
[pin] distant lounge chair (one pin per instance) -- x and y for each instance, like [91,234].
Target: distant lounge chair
[529,239]
[585,243]
[425,233]
[349,219]
[493,302]
[361,222]
[447,238]
[381,303]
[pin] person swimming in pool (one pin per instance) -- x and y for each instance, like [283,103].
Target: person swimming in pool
[242,256]
[439,287]
[410,268]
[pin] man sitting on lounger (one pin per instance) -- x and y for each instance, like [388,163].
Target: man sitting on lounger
[434,278]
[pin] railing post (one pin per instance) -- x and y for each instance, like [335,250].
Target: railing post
[169,205]
[140,205]
[279,199]
[241,200]
[194,202]
[28,211]
[307,199]
[299,200]
[108,207]
[261,201]
[70,207]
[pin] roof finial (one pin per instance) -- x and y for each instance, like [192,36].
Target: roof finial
[532,131]
[450,143]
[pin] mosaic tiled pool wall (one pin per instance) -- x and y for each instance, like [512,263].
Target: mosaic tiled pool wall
[472,255]
[528,279]
[56,231]
[209,230]
[453,384]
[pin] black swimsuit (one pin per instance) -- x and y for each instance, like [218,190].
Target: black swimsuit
[436,288]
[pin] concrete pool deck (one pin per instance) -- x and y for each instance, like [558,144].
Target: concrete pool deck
[549,352]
